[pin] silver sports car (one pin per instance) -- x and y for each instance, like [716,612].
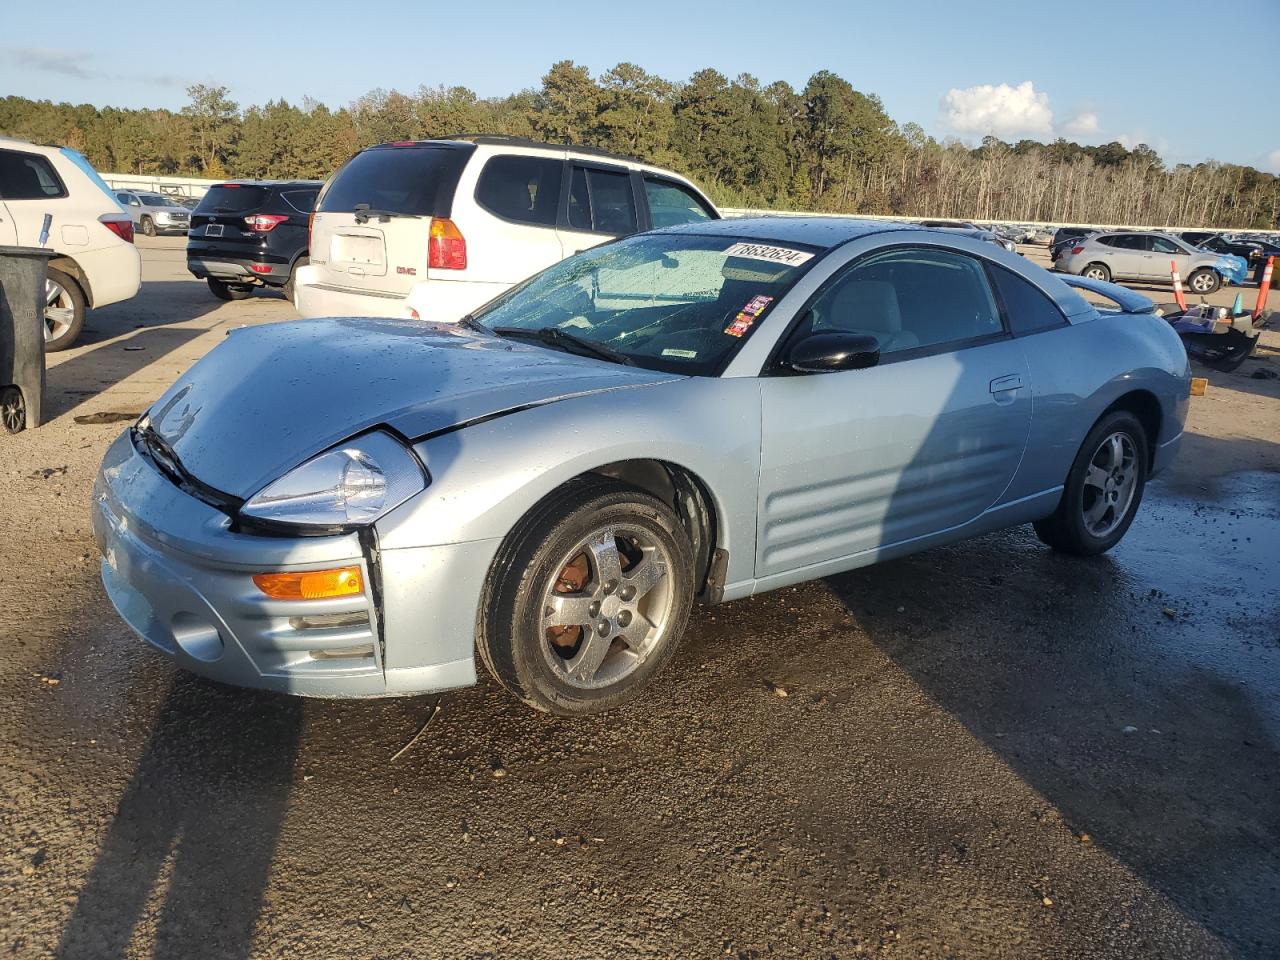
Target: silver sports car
[356,507]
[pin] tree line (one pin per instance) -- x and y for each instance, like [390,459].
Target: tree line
[827,147]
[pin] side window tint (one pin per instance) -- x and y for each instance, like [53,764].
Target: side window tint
[671,204]
[911,298]
[523,189]
[1027,308]
[27,176]
[304,201]
[579,201]
[613,208]
[1161,245]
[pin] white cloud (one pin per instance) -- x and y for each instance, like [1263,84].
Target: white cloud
[998,109]
[1273,161]
[66,62]
[1083,124]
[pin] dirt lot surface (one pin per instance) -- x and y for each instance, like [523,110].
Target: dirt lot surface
[986,750]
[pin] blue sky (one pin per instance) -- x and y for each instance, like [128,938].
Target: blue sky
[1092,71]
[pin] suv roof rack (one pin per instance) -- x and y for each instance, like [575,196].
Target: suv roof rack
[500,138]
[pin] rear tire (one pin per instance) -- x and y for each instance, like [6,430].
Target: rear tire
[229,291]
[290,284]
[1097,271]
[148,227]
[628,622]
[65,309]
[1088,521]
[1204,281]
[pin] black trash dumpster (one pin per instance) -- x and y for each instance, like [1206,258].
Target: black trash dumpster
[22,276]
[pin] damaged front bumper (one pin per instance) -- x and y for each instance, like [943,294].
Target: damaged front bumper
[182,579]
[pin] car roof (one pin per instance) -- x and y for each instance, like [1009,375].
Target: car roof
[822,232]
[267,183]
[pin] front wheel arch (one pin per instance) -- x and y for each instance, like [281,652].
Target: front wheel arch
[1143,405]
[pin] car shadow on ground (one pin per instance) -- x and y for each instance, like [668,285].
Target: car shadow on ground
[1116,689]
[195,829]
[125,339]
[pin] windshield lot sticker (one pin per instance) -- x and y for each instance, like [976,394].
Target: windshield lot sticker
[682,354]
[760,251]
[747,315]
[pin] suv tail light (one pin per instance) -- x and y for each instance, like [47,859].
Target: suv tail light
[264,222]
[446,247]
[1076,250]
[311,225]
[119,224]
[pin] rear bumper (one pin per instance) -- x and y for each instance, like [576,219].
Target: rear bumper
[182,581]
[114,272]
[221,268]
[439,301]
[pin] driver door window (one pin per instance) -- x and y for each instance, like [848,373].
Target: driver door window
[913,301]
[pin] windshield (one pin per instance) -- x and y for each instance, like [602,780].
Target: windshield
[156,200]
[675,302]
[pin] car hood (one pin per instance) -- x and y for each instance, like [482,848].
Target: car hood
[270,397]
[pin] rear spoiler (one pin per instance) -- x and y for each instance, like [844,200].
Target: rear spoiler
[1122,297]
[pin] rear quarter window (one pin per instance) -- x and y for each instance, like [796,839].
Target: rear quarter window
[1027,308]
[28,176]
[521,189]
[416,181]
[303,201]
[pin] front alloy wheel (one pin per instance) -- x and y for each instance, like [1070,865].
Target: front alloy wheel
[608,607]
[588,598]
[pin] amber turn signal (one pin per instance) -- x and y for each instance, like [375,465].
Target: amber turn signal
[311,584]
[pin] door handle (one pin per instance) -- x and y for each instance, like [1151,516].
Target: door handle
[1006,384]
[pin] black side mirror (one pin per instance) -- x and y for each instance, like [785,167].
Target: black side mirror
[831,350]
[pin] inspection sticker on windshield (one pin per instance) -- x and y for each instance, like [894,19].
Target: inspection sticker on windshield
[759,251]
[682,354]
[747,315]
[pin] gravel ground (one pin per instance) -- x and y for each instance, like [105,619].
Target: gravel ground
[985,750]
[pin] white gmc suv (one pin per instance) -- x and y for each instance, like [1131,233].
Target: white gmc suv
[96,262]
[435,228]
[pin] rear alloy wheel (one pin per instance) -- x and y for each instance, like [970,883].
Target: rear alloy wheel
[1103,490]
[1204,280]
[588,601]
[64,310]
[1097,271]
[13,410]
[229,291]
[148,226]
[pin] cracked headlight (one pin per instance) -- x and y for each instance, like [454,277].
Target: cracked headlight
[354,483]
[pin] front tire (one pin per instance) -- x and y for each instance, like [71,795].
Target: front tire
[228,291]
[1103,490]
[148,226]
[64,311]
[1097,271]
[588,599]
[1204,280]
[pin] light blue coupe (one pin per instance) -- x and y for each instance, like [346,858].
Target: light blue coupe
[355,507]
